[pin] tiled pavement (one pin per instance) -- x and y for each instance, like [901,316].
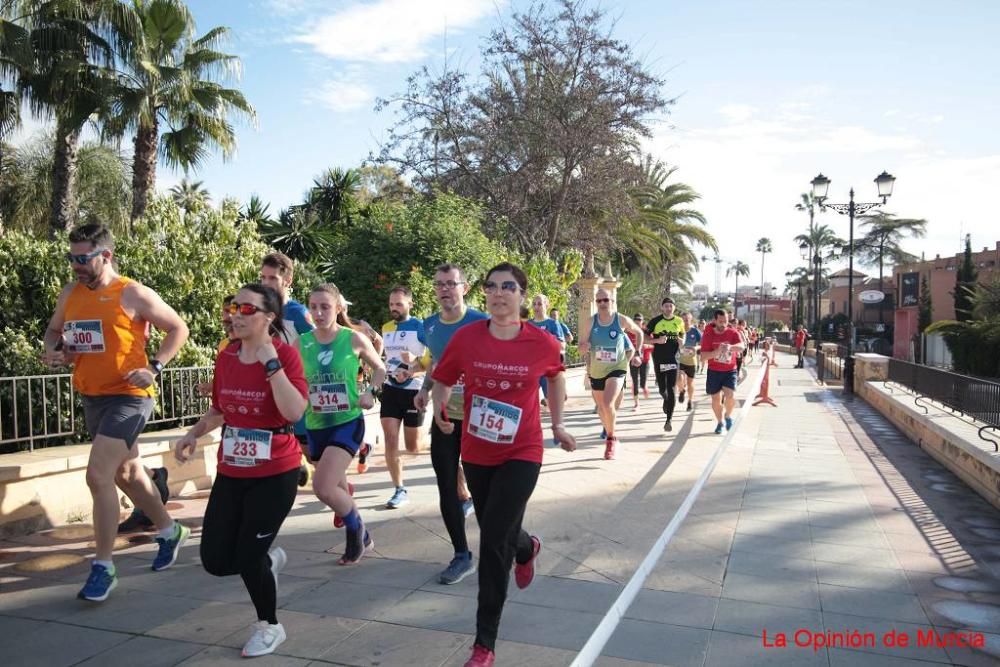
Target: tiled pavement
[819,516]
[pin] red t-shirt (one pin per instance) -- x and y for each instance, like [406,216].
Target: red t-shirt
[243,395]
[647,350]
[800,338]
[711,339]
[501,415]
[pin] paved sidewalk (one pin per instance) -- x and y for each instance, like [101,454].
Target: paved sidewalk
[820,516]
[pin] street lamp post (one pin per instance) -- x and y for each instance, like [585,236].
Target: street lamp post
[821,185]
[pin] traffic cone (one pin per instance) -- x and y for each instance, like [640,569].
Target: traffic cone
[762,397]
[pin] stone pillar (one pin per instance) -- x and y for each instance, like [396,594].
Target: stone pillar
[586,308]
[869,368]
[610,283]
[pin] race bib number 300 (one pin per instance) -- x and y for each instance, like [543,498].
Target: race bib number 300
[329,398]
[84,336]
[246,447]
[495,421]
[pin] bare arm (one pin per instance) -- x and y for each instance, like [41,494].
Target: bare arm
[54,333]
[634,328]
[557,397]
[150,307]
[185,447]
[362,346]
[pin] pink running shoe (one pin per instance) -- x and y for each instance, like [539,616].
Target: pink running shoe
[524,573]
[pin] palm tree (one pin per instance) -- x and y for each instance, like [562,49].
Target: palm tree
[68,75]
[798,281]
[190,196]
[738,269]
[664,229]
[818,238]
[882,239]
[171,78]
[299,232]
[334,195]
[256,211]
[763,247]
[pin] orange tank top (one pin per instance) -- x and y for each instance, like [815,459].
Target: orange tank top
[106,341]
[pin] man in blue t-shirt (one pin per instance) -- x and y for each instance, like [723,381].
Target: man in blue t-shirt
[276,272]
[560,331]
[450,288]
[688,359]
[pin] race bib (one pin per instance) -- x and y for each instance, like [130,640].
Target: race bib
[668,367]
[688,356]
[492,420]
[329,397]
[458,389]
[607,355]
[246,447]
[84,336]
[724,357]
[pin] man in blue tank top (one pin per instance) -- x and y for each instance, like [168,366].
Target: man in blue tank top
[608,354]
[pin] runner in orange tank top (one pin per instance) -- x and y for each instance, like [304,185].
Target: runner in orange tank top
[100,326]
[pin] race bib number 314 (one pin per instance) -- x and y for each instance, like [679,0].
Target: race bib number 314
[494,421]
[84,336]
[329,398]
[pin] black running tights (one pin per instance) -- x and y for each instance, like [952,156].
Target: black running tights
[666,383]
[445,452]
[241,521]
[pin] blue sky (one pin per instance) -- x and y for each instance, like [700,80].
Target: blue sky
[770,93]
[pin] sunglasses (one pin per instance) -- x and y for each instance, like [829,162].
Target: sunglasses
[84,258]
[246,309]
[491,287]
[603,300]
[450,284]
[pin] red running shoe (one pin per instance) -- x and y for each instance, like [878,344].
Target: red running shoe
[363,453]
[524,573]
[337,521]
[609,448]
[481,657]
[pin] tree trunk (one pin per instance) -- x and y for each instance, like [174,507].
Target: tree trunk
[143,168]
[63,210]
[668,277]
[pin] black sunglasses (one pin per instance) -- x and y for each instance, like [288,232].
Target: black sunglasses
[84,258]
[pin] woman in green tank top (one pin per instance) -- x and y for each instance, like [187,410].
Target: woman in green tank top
[335,423]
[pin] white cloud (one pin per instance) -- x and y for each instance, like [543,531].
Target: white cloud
[738,113]
[344,94]
[390,31]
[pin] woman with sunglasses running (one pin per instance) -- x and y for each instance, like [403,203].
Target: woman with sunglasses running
[502,359]
[258,393]
[335,424]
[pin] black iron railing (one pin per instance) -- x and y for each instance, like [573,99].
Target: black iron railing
[966,395]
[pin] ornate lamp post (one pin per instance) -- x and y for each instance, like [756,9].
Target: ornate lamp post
[820,186]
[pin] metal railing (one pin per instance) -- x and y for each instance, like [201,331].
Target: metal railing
[969,396]
[46,411]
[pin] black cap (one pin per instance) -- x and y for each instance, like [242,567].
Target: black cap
[666,300]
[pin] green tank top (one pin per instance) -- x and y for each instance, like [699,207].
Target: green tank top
[332,373]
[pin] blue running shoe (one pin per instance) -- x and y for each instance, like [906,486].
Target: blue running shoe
[555,442]
[169,549]
[399,498]
[99,584]
[459,568]
[604,434]
[729,423]
[718,429]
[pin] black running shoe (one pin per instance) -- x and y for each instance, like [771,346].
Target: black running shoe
[160,482]
[137,520]
[667,426]
[680,399]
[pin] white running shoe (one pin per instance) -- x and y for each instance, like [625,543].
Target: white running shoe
[278,561]
[265,639]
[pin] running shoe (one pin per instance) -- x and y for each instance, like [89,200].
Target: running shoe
[399,498]
[481,657]
[689,406]
[718,429]
[99,584]
[363,453]
[604,433]
[137,520]
[729,423]
[337,521]
[170,548]
[303,475]
[524,573]
[358,542]
[159,480]
[468,507]
[555,442]
[278,561]
[609,448]
[459,568]
[680,399]
[264,640]
[667,426]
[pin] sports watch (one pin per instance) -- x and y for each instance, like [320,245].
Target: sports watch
[155,366]
[272,366]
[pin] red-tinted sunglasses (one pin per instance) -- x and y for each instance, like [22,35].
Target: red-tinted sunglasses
[243,308]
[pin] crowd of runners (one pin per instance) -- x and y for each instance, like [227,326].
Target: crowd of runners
[291,383]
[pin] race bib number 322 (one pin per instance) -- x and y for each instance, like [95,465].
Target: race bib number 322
[84,336]
[246,447]
[495,421]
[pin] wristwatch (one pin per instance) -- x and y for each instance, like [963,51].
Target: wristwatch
[155,366]
[272,366]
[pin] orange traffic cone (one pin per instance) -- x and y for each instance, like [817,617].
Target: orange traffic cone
[762,397]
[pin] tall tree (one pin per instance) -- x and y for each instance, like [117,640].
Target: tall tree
[738,269]
[883,233]
[172,78]
[69,76]
[544,135]
[333,196]
[190,196]
[763,247]
[819,238]
[965,284]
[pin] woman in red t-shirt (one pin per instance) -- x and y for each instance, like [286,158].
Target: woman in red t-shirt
[502,360]
[259,391]
[638,373]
